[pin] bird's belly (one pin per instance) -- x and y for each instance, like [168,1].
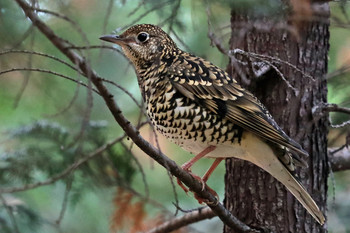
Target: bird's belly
[225,150]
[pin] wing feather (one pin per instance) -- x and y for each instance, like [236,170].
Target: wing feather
[207,84]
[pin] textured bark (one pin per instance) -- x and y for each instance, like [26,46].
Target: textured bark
[251,194]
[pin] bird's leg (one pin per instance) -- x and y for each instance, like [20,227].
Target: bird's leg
[205,179]
[211,169]
[187,166]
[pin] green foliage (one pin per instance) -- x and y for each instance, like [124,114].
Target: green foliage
[44,149]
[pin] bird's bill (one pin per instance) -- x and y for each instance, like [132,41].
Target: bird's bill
[114,39]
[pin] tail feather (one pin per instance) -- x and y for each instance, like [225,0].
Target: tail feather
[303,197]
[264,156]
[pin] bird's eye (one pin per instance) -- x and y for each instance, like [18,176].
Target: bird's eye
[142,37]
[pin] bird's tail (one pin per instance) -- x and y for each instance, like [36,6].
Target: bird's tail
[261,154]
[281,173]
[303,197]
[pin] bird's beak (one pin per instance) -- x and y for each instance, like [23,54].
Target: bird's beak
[113,38]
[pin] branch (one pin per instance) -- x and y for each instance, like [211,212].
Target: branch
[339,158]
[129,129]
[189,218]
[48,72]
[335,108]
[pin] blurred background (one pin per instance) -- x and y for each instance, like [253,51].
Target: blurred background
[48,122]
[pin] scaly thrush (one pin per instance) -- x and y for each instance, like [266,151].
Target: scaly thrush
[198,106]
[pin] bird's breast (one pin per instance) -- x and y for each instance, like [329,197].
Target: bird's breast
[187,123]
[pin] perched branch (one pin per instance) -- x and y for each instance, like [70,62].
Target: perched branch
[340,159]
[129,129]
[189,218]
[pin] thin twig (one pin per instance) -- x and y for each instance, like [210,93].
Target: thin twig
[66,18]
[68,106]
[273,59]
[107,15]
[185,220]
[156,7]
[342,70]
[49,72]
[138,7]
[125,91]
[65,201]
[26,77]
[345,123]
[23,37]
[138,164]
[40,54]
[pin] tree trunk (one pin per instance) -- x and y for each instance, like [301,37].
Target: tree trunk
[252,194]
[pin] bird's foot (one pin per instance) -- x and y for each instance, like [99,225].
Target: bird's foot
[206,201]
[204,186]
[194,176]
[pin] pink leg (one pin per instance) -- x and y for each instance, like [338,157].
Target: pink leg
[187,166]
[205,179]
[211,169]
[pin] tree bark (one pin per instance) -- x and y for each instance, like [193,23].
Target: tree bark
[252,194]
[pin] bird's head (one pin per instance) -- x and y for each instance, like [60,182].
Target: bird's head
[143,43]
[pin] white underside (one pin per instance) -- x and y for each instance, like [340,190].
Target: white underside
[249,148]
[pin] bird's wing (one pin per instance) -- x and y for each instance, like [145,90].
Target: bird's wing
[214,89]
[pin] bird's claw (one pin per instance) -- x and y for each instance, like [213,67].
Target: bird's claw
[206,201]
[204,186]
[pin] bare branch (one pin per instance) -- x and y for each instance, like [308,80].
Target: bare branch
[345,123]
[40,54]
[49,72]
[138,164]
[107,16]
[339,159]
[138,7]
[125,91]
[65,201]
[342,70]
[335,108]
[66,18]
[186,219]
[130,130]
[67,107]
[160,5]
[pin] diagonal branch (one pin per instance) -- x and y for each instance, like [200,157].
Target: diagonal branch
[129,129]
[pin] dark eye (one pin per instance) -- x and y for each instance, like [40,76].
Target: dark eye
[142,37]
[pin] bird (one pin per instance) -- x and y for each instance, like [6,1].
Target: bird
[201,108]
